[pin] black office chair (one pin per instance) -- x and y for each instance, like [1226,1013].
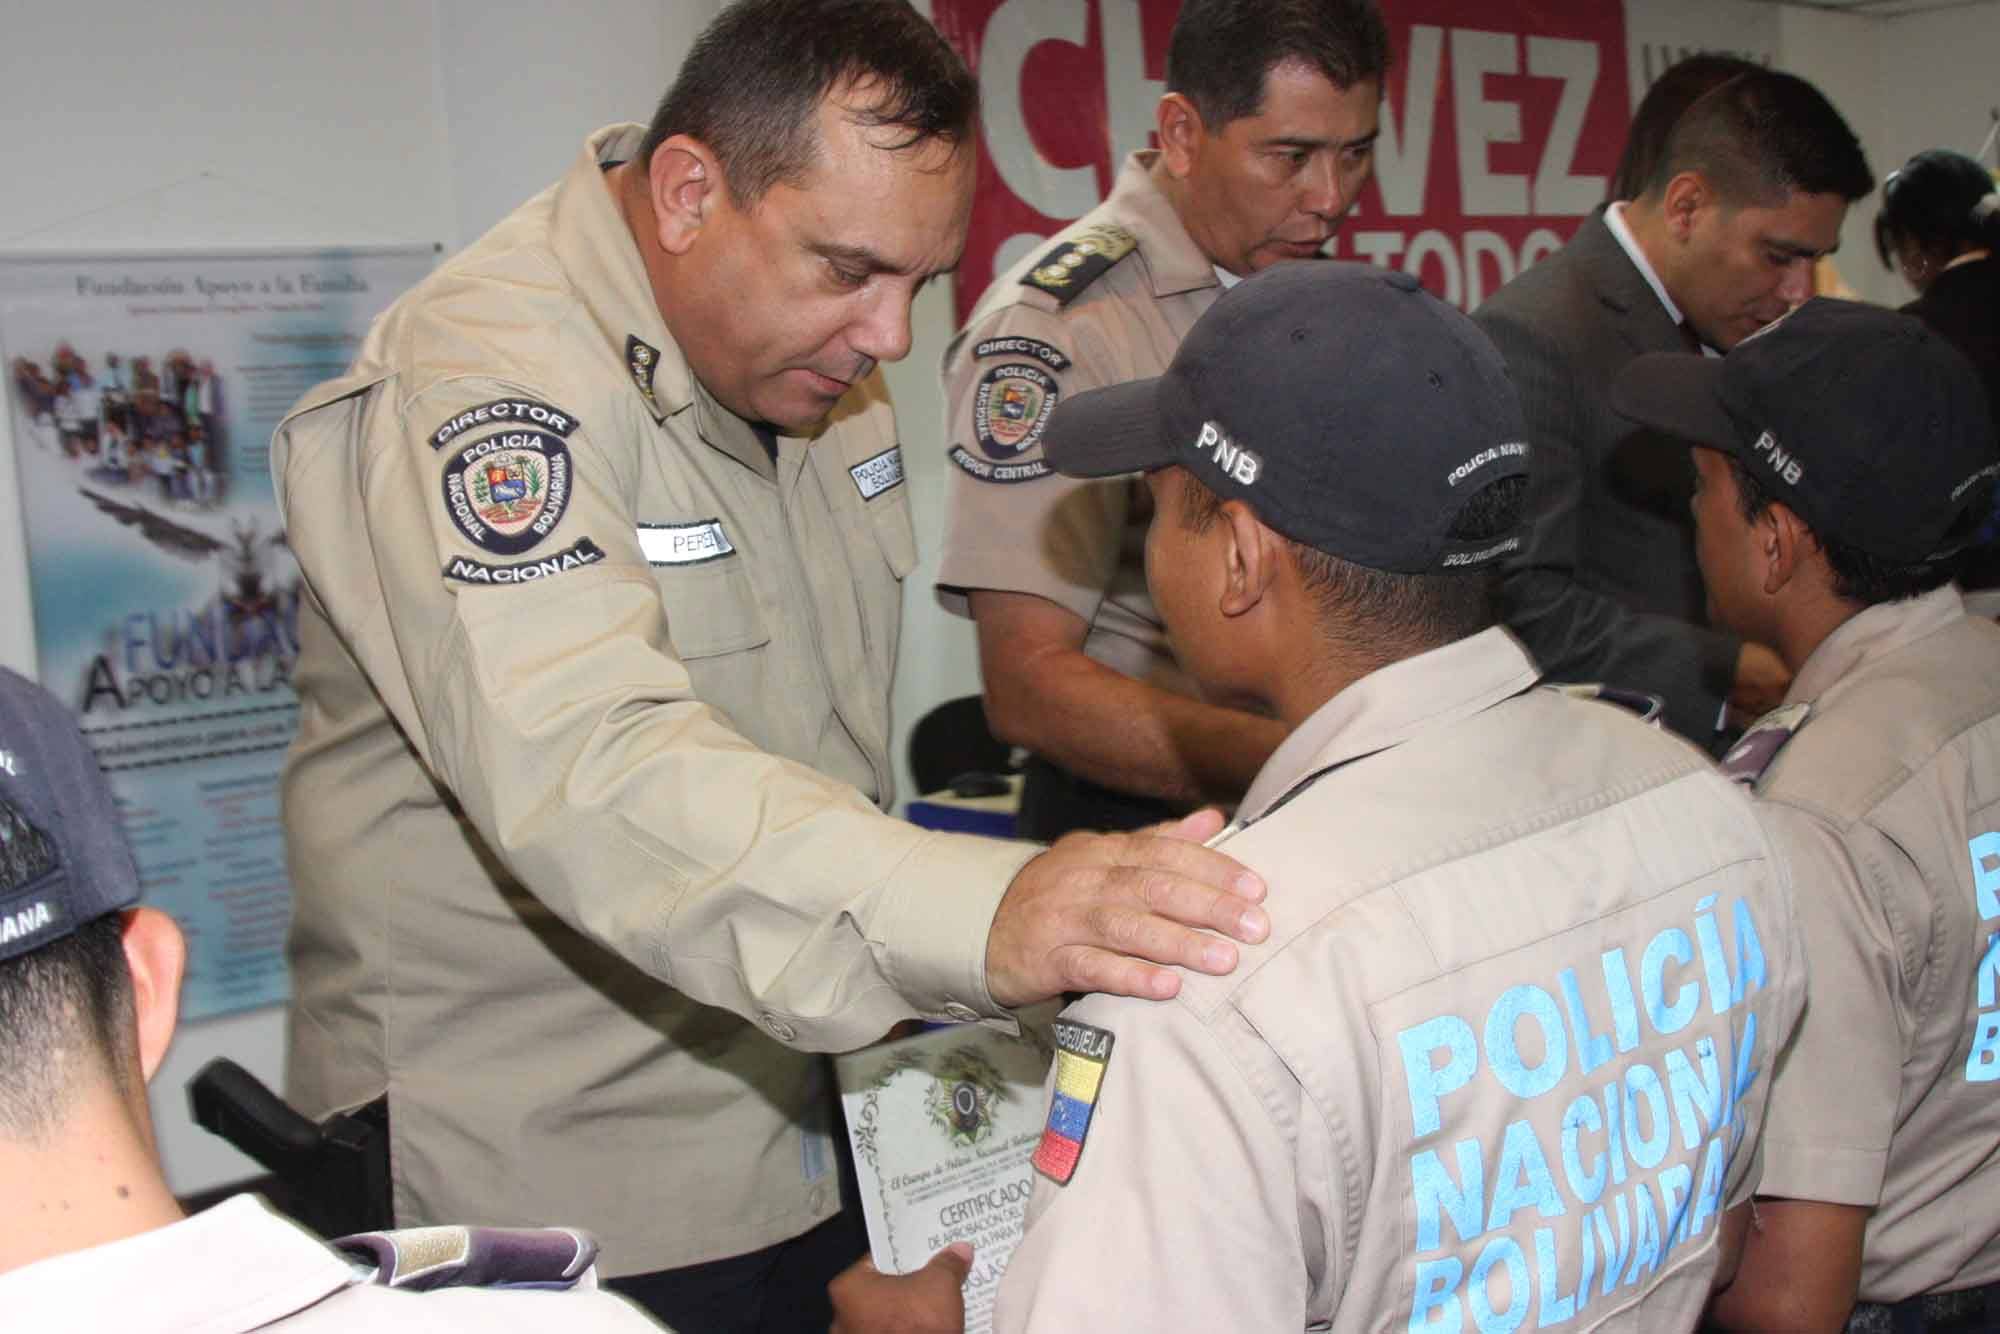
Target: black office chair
[952,741]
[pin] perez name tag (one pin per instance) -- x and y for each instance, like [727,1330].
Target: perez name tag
[684,543]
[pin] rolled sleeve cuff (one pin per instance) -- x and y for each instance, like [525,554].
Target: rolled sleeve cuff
[940,910]
[1796,1171]
[1004,571]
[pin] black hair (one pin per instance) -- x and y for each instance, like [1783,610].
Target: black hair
[752,85]
[65,1009]
[1385,615]
[1677,88]
[1221,50]
[1940,202]
[1764,135]
[1859,576]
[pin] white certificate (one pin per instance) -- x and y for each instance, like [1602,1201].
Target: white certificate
[943,1125]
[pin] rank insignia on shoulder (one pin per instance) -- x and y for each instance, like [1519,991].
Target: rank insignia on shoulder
[643,359]
[1083,1053]
[421,1259]
[1755,750]
[1080,261]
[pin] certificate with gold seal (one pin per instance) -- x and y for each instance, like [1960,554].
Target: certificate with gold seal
[943,1126]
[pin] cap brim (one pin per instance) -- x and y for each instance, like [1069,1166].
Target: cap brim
[1677,394]
[1108,432]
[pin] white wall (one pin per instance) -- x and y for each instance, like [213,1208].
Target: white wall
[400,120]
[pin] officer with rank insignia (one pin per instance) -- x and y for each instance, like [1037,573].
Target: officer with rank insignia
[602,538]
[1845,460]
[1267,134]
[91,1237]
[1502,1063]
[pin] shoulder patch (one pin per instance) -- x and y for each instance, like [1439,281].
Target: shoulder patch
[642,358]
[1083,1054]
[1010,346]
[1755,750]
[1010,410]
[578,554]
[505,412]
[1080,261]
[422,1259]
[883,472]
[507,491]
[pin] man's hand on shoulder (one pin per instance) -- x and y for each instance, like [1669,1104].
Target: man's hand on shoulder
[930,1301]
[1101,912]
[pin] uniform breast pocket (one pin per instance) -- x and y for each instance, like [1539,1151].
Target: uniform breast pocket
[895,531]
[711,602]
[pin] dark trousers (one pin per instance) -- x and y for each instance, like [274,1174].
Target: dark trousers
[778,1290]
[1970,1311]
[1055,802]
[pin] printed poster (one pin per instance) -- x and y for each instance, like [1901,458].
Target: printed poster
[142,391]
[1502,121]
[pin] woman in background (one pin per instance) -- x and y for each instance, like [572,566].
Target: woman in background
[1939,227]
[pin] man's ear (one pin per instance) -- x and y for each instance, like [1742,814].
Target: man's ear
[684,182]
[1784,542]
[1181,134]
[1251,551]
[156,956]
[1685,197]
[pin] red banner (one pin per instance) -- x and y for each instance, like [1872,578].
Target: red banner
[1501,125]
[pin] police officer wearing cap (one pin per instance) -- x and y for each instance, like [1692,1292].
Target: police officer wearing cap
[1846,459]
[602,538]
[1505,1054]
[1267,134]
[91,1237]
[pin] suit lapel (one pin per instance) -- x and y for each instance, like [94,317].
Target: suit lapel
[1635,311]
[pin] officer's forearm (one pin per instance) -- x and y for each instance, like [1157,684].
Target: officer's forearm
[1125,734]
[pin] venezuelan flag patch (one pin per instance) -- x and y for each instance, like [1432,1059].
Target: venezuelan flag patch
[1082,1054]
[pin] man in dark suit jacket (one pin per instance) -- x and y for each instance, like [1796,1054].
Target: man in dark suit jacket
[1751,191]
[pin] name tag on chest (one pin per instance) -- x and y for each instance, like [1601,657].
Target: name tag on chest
[882,473]
[684,543]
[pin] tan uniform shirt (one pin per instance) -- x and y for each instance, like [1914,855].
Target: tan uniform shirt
[1500,1065]
[239,1267]
[1887,801]
[1012,523]
[596,696]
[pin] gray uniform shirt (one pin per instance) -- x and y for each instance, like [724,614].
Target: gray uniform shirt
[1888,804]
[1502,1063]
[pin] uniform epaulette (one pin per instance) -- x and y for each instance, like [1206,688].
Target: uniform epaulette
[423,1258]
[1758,747]
[1080,261]
[1645,707]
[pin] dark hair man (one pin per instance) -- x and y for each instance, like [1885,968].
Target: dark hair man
[1504,1050]
[1267,134]
[93,1238]
[1845,461]
[602,545]
[1751,190]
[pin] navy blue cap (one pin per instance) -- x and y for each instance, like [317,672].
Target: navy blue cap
[64,861]
[1866,423]
[1352,410]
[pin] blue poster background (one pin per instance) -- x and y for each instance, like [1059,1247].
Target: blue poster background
[142,392]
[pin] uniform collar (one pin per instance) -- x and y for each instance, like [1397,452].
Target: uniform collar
[1871,633]
[1387,707]
[595,247]
[1136,204]
[237,1266]
[1614,218]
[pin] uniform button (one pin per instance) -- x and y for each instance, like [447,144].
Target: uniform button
[778,1028]
[960,1013]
